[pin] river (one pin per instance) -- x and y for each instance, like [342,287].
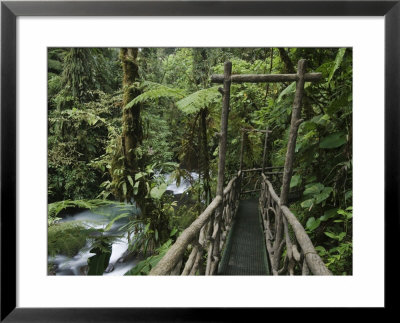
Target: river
[119,264]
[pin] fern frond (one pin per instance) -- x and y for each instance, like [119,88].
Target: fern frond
[155,91]
[194,102]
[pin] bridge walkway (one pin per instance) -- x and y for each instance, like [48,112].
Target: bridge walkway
[245,252]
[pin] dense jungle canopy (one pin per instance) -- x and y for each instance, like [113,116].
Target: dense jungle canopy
[124,123]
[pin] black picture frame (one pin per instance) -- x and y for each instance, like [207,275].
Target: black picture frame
[10,10]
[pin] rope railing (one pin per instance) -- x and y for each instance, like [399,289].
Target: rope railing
[204,238]
[300,256]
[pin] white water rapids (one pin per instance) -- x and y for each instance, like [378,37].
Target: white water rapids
[77,265]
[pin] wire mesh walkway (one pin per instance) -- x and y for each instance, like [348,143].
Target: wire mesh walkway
[245,252]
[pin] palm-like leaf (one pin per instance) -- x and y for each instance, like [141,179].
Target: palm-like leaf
[194,102]
[154,91]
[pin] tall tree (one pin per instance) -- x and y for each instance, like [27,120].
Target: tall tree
[132,132]
[126,162]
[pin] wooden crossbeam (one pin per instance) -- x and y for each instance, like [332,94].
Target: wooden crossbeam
[263,78]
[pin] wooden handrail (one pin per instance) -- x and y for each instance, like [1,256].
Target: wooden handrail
[313,260]
[175,253]
[171,263]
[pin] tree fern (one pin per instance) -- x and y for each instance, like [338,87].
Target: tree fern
[154,91]
[194,102]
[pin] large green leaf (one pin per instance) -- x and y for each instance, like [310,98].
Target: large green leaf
[338,61]
[323,195]
[296,180]
[290,89]
[313,189]
[124,188]
[334,140]
[329,214]
[312,223]
[338,103]
[158,191]
[332,235]
[136,188]
[130,180]
[99,262]
[307,203]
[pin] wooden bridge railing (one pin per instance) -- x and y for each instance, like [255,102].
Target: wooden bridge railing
[300,253]
[204,237]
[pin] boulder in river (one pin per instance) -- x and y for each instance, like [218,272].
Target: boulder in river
[109,268]
[127,256]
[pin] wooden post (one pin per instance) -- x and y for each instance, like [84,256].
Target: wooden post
[265,149]
[224,127]
[214,251]
[294,126]
[288,169]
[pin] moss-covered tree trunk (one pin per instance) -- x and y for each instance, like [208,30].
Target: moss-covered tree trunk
[132,131]
[126,162]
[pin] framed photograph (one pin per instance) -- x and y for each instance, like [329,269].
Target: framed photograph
[75,183]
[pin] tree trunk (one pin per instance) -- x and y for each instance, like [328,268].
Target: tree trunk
[205,157]
[132,131]
[289,68]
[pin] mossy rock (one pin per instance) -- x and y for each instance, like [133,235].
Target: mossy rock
[66,238]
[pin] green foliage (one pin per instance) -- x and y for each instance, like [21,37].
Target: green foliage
[289,90]
[151,227]
[312,223]
[76,140]
[145,266]
[154,91]
[184,216]
[337,253]
[338,62]
[295,181]
[55,208]
[334,140]
[315,193]
[98,263]
[201,99]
